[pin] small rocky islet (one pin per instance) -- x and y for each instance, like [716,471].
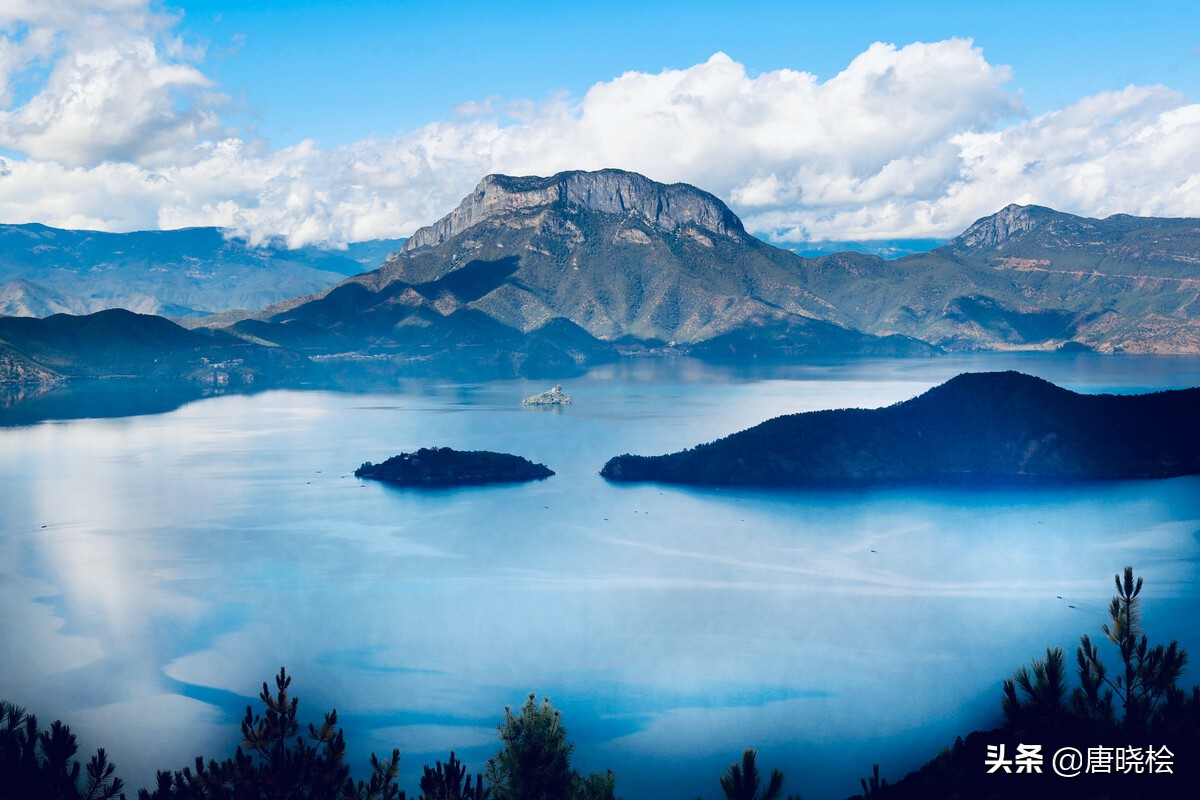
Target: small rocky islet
[551,397]
[444,466]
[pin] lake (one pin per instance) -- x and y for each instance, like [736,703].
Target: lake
[156,569]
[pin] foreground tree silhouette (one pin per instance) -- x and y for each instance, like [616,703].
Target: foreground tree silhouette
[534,762]
[743,782]
[1144,691]
[1043,693]
[274,766]
[875,785]
[1137,709]
[38,764]
[594,786]
[1147,677]
[446,782]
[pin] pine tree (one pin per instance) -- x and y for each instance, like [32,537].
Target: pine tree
[875,786]
[1041,705]
[1147,680]
[534,762]
[743,782]
[274,766]
[594,786]
[39,764]
[446,782]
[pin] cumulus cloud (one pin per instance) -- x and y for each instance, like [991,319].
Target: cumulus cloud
[119,87]
[912,141]
[1132,151]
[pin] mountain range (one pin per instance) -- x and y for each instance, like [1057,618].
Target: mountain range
[610,256]
[547,275]
[629,261]
[179,273]
[120,343]
[1030,277]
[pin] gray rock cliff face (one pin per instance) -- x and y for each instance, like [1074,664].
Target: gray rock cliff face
[1010,222]
[625,258]
[607,191]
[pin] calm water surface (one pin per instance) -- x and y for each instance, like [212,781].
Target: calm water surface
[154,570]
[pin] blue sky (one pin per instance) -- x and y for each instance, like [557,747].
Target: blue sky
[339,71]
[328,121]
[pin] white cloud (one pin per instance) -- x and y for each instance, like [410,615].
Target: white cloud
[1133,151]
[119,88]
[109,104]
[909,141]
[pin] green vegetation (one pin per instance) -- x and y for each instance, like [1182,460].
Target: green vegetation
[534,762]
[276,762]
[1145,688]
[274,765]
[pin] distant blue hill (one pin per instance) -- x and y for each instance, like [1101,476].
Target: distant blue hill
[116,343]
[189,272]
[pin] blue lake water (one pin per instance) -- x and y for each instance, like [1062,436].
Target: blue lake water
[155,570]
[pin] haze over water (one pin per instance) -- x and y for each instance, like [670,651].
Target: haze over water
[155,570]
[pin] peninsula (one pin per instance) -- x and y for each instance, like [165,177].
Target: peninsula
[995,425]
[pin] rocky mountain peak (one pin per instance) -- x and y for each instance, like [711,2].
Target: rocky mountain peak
[607,191]
[1011,222]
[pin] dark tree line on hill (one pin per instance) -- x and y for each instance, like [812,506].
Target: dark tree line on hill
[976,427]
[1136,707]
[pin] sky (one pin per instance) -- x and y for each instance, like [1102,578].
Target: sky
[326,122]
